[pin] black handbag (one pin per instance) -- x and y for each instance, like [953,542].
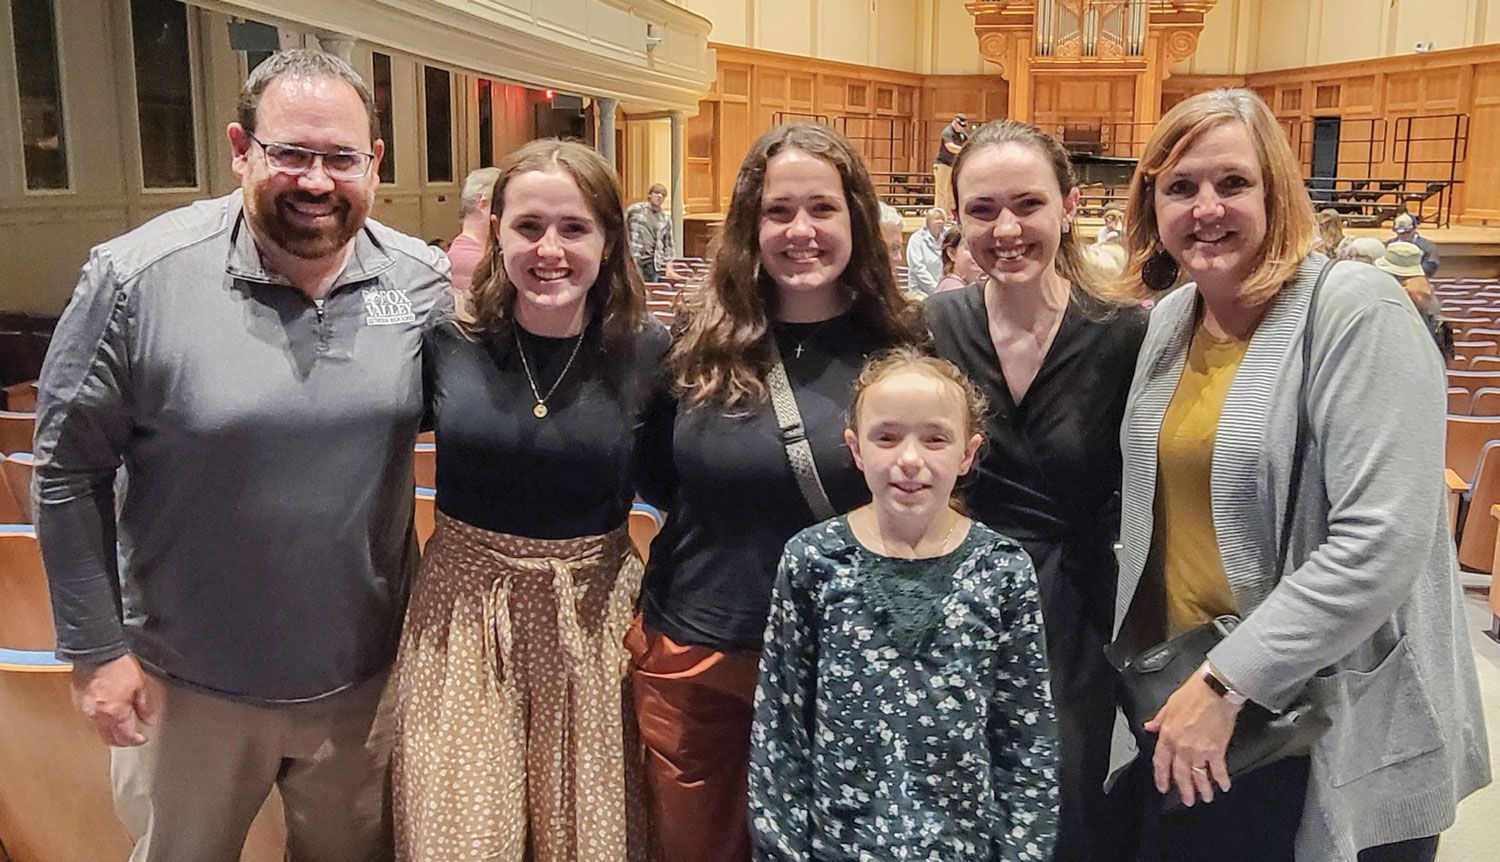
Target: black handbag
[1261,737]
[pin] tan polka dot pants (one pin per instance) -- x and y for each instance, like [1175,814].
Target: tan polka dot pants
[512,738]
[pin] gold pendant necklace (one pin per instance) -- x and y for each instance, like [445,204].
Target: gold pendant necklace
[540,410]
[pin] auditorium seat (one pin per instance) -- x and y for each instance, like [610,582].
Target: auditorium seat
[1473,348]
[1473,380]
[645,523]
[425,514]
[16,468]
[1467,436]
[55,799]
[1484,363]
[424,464]
[25,608]
[427,437]
[1476,540]
[16,430]
[1486,402]
[1457,488]
[1458,401]
[20,397]
[55,802]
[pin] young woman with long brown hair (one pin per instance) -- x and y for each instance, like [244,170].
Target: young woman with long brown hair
[801,286]
[511,740]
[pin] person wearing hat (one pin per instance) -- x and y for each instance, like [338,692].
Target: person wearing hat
[1405,227]
[955,135]
[1365,249]
[1406,262]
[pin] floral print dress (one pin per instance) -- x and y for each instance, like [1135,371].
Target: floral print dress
[903,711]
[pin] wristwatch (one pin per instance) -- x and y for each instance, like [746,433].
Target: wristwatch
[1220,687]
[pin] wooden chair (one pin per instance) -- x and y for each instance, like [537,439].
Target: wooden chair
[424,464]
[1476,538]
[1495,585]
[1458,401]
[1483,363]
[645,523]
[1473,380]
[1462,324]
[1472,349]
[16,431]
[1485,402]
[1457,488]
[1481,333]
[1467,436]
[425,515]
[1459,362]
[427,437]
[25,606]
[17,471]
[56,804]
[20,397]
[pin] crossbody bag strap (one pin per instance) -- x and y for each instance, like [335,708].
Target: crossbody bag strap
[794,439]
[1299,453]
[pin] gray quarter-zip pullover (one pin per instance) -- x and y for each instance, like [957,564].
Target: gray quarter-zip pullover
[265,532]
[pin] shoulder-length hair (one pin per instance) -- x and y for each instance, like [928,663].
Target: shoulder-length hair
[723,352]
[1071,262]
[617,295]
[1290,230]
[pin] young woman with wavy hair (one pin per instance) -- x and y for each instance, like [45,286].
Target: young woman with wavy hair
[1053,353]
[801,280]
[512,730]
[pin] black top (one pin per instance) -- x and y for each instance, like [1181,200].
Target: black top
[734,500]
[1049,472]
[501,468]
[950,135]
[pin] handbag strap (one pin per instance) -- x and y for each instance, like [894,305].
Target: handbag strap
[1294,484]
[794,438]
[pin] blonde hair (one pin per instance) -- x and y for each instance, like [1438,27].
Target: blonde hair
[907,358]
[1290,231]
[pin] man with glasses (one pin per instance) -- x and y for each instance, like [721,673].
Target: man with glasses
[253,362]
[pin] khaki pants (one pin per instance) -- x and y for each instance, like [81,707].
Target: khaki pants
[191,792]
[695,707]
[942,183]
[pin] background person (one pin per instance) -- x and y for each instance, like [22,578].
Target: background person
[865,607]
[890,234]
[959,268]
[924,254]
[253,360]
[466,249]
[1404,261]
[516,630]
[651,235]
[800,281]
[950,144]
[1053,358]
[1366,618]
[1405,229]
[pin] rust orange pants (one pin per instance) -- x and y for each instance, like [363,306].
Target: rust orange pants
[694,706]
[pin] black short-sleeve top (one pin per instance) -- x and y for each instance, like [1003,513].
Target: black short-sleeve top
[571,473]
[734,501]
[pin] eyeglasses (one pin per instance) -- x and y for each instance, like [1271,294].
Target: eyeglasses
[295,161]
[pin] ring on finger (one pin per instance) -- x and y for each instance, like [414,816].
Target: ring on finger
[1201,770]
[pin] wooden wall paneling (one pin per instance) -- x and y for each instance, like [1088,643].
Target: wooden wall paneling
[1482,192]
[701,193]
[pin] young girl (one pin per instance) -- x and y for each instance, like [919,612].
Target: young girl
[903,710]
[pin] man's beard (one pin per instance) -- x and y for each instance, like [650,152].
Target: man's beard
[268,210]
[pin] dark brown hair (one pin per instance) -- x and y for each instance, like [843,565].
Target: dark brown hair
[1071,262]
[617,295]
[724,351]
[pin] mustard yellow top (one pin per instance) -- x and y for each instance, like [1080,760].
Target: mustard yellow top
[1184,542]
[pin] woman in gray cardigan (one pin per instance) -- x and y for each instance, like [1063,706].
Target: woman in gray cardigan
[1365,617]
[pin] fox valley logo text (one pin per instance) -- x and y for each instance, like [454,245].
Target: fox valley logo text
[385,306]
